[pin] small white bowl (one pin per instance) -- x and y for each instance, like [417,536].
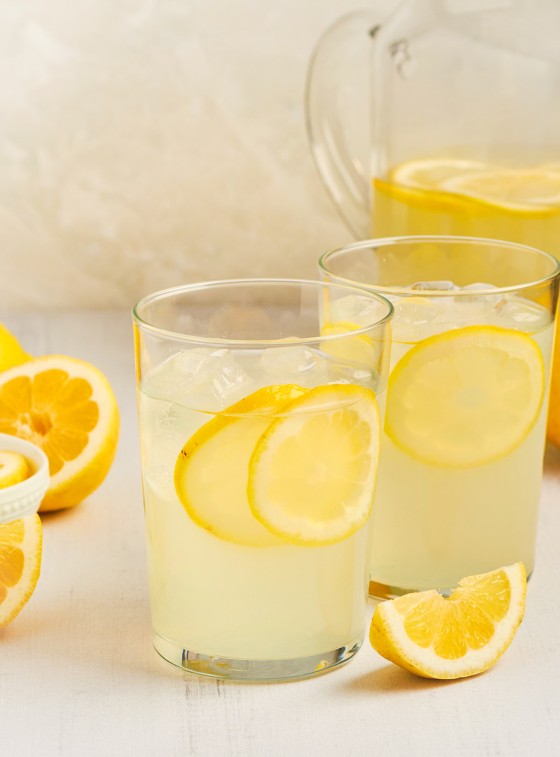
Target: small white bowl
[23,499]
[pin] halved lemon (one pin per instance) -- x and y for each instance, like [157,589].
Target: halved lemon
[313,470]
[67,407]
[465,397]
[13,468]
[212,469]
[11,351]
[20,564]
[462,635]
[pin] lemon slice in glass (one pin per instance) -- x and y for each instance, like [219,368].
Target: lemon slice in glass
[465,397]
[212,469]
[312,473]
[462,635]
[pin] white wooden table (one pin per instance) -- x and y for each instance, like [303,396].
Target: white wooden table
[79,677]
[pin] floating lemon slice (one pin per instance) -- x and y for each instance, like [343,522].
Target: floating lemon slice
[465,397]
[431,173]
[20,564]
[524,190]
[312,474]
[465,634]
[212,469]
[356,348]
[13,468]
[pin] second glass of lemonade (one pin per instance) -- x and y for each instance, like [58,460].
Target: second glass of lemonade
[260,420]
[462,451]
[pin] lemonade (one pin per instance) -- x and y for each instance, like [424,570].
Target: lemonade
[259,463]
[434,523]
[462,447]
[266,598]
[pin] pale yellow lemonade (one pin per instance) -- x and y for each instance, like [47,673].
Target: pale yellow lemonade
[222,583]
[439,513]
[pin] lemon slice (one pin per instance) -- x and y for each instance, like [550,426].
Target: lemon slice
[13,468]
[213,467]
[524,190]
[20,564]
[312,474]
[465,397]
[356,348]
[465,634]
[67,407]
[432,173]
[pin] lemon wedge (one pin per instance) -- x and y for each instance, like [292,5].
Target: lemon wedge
[462,635]
[20,564]
[212,469]
[13,468]
[313,470]
[465,397]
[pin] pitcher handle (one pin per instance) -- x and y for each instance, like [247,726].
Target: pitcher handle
[341,147]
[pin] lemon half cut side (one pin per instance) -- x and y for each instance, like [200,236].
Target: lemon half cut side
[20,564]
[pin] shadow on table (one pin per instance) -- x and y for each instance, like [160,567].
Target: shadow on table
[390,679]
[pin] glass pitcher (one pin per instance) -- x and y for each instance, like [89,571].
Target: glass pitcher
[444,119]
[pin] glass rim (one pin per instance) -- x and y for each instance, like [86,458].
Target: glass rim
[438,238]
[179,336]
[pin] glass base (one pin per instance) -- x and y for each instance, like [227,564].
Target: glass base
[254,670]
[380,591]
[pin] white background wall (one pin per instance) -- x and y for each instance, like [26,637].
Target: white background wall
[147,143]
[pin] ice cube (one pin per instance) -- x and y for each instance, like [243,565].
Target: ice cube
[435,286]
[356,310]
[291,360]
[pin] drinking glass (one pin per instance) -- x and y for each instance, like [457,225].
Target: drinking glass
[260,406]
[462,450]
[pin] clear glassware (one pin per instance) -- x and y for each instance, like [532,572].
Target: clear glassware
[260,406]
[462,451]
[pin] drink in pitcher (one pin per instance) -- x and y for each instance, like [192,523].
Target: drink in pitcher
[260,420]
[462,448]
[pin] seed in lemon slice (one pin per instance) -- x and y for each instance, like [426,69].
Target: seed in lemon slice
[213,467]
[20,564]
[13,468]
[67,407]
[465,397]
[455,637]
[524,190]
[312,474]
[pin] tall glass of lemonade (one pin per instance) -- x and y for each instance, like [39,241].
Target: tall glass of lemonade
[260,410]
[462,450]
